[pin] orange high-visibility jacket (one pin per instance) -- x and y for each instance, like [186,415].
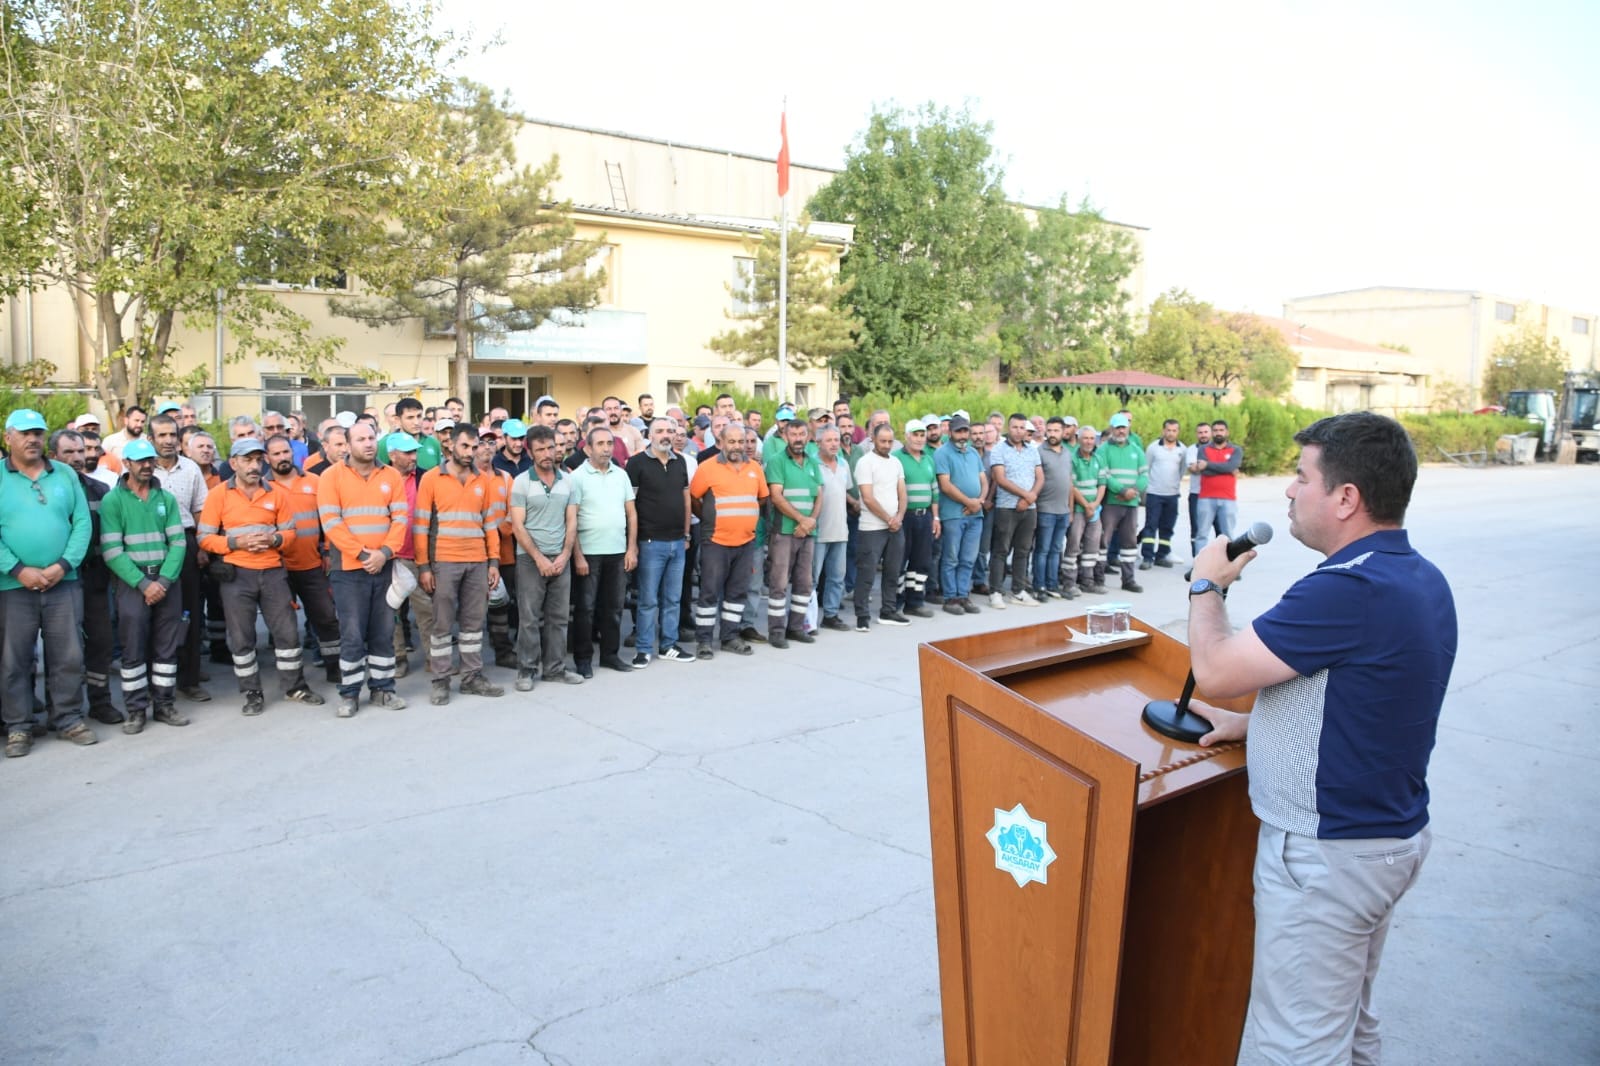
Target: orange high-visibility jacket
[455,520]
[229,514]
[306,552]
[361,514]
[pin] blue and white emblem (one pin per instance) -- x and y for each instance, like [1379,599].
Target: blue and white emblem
[1021,847]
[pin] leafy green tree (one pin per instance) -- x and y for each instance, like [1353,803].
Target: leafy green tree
[820,323]
[1063,307]
[1268,361]
[164,156]
[1188,338]
[933,234]
[1527,359]
[502,258]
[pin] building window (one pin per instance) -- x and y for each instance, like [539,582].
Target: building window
[1305,373]
[1580,325]
[743,286]
[765,389]
[802,395]
[1504,312]
[677,393]
[294,392]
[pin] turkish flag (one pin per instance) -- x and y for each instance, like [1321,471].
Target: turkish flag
[783,156]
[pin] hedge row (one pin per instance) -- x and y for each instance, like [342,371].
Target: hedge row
[1264,427]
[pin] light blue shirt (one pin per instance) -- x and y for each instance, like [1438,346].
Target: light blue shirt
[601,498]
[1022,468]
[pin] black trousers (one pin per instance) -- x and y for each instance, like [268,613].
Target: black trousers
[311,588]
[597,607]
[151,637]
[189,599]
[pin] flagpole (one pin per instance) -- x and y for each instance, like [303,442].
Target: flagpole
[783,268]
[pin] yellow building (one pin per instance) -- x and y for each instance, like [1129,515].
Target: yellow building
[1451,331]
[677,223]
[1339,374]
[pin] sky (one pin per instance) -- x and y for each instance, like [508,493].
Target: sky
[1272,149]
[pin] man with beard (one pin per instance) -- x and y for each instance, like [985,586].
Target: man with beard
[621,427]
[512,456]
[184,480]
[502,605]
[308,581]
[144,546]
[249,524]
[726,493]
[795,482]
[457,540]
[44,536]
[335,448]
[963,484]
[545,531]
[403,458]
[66,446]
[133,420]
[660,479]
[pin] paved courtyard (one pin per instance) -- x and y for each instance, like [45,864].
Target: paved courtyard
[729,862]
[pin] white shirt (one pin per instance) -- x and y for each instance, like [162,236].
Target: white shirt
[188,484]
[883,474]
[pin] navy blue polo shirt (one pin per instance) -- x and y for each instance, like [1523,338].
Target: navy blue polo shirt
[1341,752]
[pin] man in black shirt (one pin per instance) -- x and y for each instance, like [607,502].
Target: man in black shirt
[661,498]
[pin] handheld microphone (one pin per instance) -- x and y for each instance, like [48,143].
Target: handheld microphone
[1254,537]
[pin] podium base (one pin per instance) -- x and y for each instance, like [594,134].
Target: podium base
[1165,718]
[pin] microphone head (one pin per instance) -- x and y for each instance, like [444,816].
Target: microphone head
[1260,533]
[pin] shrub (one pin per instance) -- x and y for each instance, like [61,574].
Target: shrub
[1456,432]
[58,408]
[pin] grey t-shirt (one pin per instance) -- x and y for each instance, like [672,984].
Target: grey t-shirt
[545,515]
[834,526]
[1056,495]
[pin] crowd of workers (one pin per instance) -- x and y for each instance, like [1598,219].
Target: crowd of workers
[527,543]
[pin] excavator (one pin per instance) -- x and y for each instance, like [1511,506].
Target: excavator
[1567,414]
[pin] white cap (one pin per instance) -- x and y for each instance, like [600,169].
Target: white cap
[401,584]
[915,426]
[345,418]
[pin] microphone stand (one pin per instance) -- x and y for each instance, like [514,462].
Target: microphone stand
[1176,720]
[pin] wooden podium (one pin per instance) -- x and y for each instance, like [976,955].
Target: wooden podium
[1133,945]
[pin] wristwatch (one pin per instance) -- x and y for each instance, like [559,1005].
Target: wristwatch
[1205,585]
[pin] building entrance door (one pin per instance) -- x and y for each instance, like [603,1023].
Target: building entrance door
[514,392]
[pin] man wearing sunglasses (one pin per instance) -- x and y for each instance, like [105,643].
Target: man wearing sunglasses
[44,535]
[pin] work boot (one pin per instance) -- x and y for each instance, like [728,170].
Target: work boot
[1070,592]
[18,743]
[80,734]
[704,651]
[506,660]
[833,621]
[1165,564]
[347,707]
[1145,564]
[524,680]
[441,692]
[617,663]
[168,714]
[387,700]
[919,612]
[331,671]
[738,646]
[402,667]
[777,639]
[475,684]
[752,635]
[953,607]
[1132,586]
[968,607]
[134,724]
[304,694]
[196,693]
[105,712]
[254,703]
[800,636]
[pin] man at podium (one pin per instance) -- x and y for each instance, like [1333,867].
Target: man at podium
[1352,666]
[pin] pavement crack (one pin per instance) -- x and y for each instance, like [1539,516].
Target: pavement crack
[463,967]
[700,767]
[1514,856]
[97,878]
[458,1052]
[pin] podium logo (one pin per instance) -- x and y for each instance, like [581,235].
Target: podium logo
[1021,845]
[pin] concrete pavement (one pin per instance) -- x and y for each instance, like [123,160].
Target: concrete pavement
[728,862]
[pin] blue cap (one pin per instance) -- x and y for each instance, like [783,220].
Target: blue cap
[168,408]
[785,412]
[23,419]
[1118,421]
[138,449]
[400,442]
[245,446]
[513,427]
